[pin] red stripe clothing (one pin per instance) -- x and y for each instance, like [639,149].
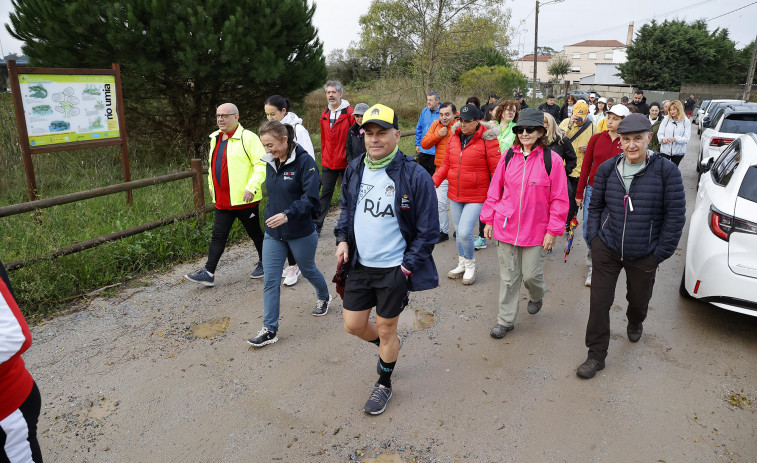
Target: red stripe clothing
[223,197]
[600,148]
[15,338]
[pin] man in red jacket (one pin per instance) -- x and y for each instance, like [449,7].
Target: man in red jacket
[20,401]
[336,121]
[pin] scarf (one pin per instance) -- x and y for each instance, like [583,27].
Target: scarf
[381,163]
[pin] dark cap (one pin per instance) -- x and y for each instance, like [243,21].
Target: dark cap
[518,95]
[470,112]
[381,115]
[633,123]
[530,117]
[494,95]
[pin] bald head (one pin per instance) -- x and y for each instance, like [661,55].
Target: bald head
[227,117]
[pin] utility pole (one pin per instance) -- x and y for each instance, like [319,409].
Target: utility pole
[750,75]
[536,40]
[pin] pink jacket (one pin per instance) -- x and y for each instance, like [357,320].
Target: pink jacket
[529,202]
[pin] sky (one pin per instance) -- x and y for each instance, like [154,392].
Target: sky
[560,24]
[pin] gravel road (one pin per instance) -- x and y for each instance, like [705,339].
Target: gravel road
[160,371]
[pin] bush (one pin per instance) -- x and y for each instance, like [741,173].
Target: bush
[485,79]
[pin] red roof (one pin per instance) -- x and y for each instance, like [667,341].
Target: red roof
[598,43]
[530,57]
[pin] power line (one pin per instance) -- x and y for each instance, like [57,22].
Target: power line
[737,9]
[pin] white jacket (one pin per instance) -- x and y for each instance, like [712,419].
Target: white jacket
[301,134]
[681,130]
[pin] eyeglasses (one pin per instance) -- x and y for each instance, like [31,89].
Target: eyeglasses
[224,116]
[520,130]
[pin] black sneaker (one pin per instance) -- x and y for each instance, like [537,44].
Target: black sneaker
[258,272]
[443,237]
[265,336]
[534,306]
[499,331]
[634,331]
[322,307]
[590,368]
[379,398]
[201,276]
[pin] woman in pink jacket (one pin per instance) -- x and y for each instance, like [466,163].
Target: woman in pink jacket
[525,210]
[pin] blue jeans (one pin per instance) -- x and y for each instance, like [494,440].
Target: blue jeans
[587,198]
[274,254]
[465,216]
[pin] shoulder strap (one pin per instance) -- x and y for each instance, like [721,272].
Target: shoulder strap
[580,131]
[508,156]
[547,159]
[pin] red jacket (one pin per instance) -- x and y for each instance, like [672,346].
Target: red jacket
[599,149]
[470,169]
[334,140]
[15,381]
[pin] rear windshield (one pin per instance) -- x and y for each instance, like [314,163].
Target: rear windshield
[740,123]
[748,188]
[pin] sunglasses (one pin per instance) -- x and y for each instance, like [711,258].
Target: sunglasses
[528,130]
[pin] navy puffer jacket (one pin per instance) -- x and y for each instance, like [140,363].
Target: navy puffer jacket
[648,220]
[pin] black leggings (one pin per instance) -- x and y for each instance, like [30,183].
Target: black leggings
[573,207]
[675,159]
[250,219]
[26,422]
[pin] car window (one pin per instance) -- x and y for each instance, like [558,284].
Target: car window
[740,123]
[723,169]
[718,115]
[748,189]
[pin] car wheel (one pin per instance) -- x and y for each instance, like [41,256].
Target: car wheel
[682,289]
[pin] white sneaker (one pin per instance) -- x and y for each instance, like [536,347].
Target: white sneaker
[292,274]
[470,272]
[588,278]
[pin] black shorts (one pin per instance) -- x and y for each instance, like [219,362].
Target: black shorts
[383,288]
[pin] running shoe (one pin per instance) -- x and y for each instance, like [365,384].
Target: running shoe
[201,276]
[479,243]
[265,336]
[258,272]
[292,274]
[322,307]
[379,398]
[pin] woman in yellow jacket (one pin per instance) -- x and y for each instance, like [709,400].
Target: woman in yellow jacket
[236,173]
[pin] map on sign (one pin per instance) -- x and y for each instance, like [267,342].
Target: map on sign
[69,108]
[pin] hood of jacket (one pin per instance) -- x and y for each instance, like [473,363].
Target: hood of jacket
[342,105]
[291,119]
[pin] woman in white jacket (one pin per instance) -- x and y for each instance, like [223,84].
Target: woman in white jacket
[674,133]
[277,109]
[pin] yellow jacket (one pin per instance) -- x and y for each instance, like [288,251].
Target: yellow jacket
[244,163]
[581,140]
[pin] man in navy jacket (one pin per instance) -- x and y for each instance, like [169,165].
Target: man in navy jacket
[385,236]
[636,216]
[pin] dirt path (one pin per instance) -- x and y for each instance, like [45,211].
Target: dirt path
[124,379]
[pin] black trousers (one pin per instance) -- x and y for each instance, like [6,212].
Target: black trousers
[15,442]
[675,159]
[250,218]
[606,267]
[427,162]
[573,209]
[329,178]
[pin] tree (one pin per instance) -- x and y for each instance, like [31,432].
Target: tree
[180,60]
[484,79]
[559,67]
[430,31]
[665,55]
[548,51]
[466,60]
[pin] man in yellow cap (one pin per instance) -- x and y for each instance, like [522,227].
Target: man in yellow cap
[385,236]
[579,129]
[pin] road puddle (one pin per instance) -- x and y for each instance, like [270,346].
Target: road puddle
[384,458]
[415,320]
[210,328]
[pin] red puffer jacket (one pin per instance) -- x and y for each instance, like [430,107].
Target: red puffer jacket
[470,169]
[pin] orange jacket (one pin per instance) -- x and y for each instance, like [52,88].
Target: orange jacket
[432,138]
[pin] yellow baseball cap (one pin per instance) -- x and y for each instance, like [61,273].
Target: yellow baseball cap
[581,109]
[382,116]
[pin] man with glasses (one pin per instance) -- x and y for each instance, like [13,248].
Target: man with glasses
[235,176]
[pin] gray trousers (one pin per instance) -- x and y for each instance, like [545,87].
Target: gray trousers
[518,264]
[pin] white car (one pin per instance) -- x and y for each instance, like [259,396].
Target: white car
[708,112]
[721,252]
[530,93]
[728,122]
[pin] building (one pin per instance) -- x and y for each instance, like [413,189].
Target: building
[585,56]
[526,66]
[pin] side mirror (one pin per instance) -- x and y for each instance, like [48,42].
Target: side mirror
[707,165]
[706,122]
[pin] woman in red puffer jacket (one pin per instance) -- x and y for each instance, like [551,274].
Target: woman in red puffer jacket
[471,159]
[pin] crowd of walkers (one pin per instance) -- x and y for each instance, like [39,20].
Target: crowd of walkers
[521,174]
[499,173]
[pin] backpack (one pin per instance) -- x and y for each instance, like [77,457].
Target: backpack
[547,160]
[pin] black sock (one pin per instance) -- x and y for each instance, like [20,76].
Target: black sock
[376,341]
[385,378]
